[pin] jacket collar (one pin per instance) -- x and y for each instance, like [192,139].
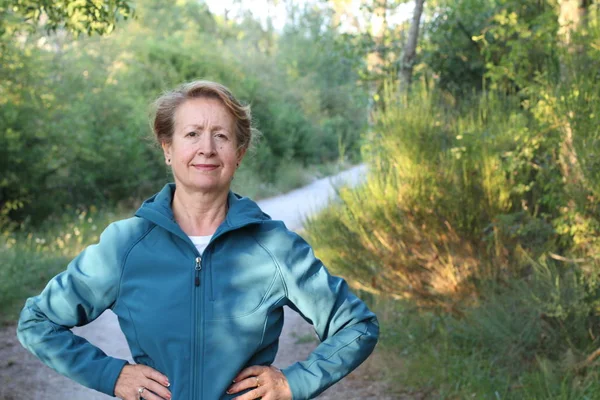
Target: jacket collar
[241,211]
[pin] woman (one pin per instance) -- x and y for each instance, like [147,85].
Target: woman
[198,279]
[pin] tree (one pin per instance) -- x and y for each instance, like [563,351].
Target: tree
[571,17]
[496,44]
[30,107]
[76,16]
[410,48]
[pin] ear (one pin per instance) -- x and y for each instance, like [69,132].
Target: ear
[167,151]
[241,153]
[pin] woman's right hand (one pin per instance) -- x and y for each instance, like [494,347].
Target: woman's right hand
[134,377]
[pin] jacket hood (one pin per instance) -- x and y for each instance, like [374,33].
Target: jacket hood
[241,211]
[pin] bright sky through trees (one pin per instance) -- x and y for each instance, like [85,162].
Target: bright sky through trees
[263,8]
[260,8]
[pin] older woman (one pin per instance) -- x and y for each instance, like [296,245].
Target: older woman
[198,279]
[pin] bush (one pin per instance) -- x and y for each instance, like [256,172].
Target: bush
[453,197]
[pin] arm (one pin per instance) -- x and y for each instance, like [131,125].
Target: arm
[347,329]
[76,297]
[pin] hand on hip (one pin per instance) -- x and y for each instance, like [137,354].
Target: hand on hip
[140,381]
[269,383]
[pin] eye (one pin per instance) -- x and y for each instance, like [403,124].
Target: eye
[191,134]
[221,135]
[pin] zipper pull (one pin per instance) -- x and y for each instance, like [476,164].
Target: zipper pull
[198,267]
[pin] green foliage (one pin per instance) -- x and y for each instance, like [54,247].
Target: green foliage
[519,43]
[500,44]
[449,48]
[569,111]
[68,138]
[76,16]
[74,132]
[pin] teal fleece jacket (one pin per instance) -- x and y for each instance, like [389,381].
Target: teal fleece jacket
[198,318]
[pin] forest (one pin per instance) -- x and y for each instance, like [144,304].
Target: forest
[476,235]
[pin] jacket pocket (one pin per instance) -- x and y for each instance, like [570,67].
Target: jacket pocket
[239,286]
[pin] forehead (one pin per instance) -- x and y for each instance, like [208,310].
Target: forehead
[204,112]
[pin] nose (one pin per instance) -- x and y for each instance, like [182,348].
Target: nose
[206,145]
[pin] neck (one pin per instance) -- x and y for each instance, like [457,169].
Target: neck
[199,213]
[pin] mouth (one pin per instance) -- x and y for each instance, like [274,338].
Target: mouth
[205,167]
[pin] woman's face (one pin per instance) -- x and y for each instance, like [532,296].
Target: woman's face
[203,151]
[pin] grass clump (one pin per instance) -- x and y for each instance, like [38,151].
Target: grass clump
[530,340]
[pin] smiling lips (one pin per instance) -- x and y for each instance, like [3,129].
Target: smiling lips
[205,167]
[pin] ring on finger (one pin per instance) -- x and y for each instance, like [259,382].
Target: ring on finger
[257,381]
[141,391]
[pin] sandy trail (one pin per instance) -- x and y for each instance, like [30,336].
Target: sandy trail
[23,377]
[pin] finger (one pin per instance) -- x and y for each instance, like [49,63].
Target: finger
[153,374]
[250,371]
[250,382]
[148,395]
[158,389]
[252,395]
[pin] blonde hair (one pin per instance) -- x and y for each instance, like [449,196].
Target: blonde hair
[166,106]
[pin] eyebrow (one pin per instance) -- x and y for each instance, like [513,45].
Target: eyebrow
[215,127]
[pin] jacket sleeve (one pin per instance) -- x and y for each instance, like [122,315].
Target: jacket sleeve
[347,328]
[76,297]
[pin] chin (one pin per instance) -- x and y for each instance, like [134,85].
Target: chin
[208,186]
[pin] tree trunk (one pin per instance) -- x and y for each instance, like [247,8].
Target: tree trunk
[572,15]
[410,49]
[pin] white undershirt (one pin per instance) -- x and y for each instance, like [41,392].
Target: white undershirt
[200,242]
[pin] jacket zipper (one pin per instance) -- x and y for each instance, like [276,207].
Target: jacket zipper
[197,347]
[198,268]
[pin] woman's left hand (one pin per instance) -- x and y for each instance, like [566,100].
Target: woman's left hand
[269,383]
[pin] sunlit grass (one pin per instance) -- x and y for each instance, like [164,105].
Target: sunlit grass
[30,256]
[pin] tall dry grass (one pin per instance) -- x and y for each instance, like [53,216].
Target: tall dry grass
[427,225]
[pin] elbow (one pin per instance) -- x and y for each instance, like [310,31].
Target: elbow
[374,322]
[33,326]
[368,340]
[28,319]
[373,330]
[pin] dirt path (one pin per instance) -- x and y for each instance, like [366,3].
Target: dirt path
[23,377]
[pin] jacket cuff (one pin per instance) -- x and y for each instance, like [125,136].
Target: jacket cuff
[109,376]
[297,376]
